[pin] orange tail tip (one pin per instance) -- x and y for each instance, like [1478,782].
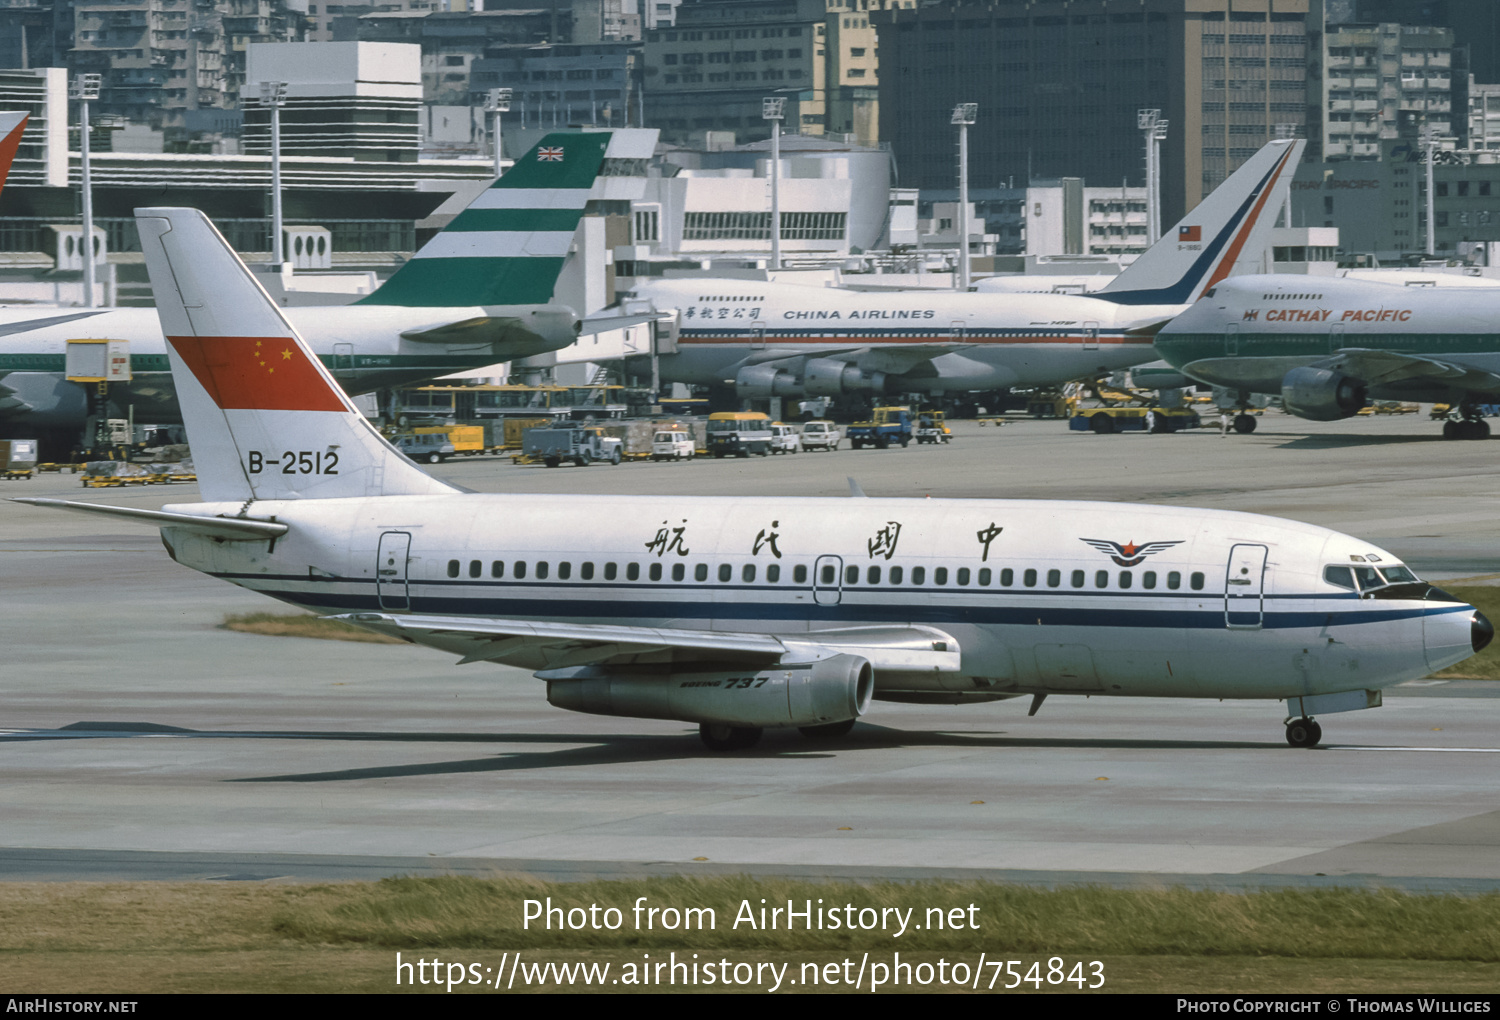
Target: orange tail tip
[257,373]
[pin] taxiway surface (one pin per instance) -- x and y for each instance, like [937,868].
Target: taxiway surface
[138,739]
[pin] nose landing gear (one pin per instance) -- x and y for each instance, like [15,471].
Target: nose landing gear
[1303,732]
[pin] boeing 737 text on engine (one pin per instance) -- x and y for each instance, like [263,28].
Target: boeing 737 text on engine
[740,614]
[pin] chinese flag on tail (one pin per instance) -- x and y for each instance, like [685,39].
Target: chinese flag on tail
[263,373]
[1189,233]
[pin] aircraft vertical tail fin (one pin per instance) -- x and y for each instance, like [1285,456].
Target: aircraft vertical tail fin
[509,245]
[12,126]
[1232,223]
[264,417]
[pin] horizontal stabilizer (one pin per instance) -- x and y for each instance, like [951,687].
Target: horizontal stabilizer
[233,529]
[547,646]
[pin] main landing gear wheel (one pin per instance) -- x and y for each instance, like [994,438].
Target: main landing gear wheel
[723,737]
[1244,424]
[1303,733]
[1469,428]
[827,730]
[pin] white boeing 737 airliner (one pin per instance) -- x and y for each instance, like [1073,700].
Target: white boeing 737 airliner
[738,614]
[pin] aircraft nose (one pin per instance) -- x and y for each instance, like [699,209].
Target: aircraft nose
[1481,632]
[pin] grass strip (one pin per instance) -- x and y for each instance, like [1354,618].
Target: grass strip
[304,625]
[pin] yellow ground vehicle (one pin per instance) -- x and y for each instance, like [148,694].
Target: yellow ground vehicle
[932,428]
[739,434]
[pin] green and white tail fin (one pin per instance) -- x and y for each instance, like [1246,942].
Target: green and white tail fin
[509,245]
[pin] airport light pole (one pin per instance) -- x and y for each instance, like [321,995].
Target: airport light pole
[273,95]
[1154,129]
[85,89]
[773,109]
[496,102]
[963,116]
[1429,151]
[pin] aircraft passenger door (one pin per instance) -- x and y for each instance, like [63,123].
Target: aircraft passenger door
[1232,340]
[1337,340]
[343,359]
[1244,587]
[757,336]
[390,571]
[959,329]
[828,580]
[1091,336]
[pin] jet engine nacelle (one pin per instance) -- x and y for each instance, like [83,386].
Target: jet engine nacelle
[1321,394]
[830,690]
[825,377]
[762,382]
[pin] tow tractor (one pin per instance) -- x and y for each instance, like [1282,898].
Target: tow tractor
[931,428]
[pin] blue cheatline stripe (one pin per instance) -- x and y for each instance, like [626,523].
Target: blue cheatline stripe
[1211,618]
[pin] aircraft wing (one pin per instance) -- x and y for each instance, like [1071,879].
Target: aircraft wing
[506,337]
[541,646]
[1386,368]
[893,361]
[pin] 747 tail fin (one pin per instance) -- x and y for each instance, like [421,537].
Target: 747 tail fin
[509,245]
[1232,223]
[264,417]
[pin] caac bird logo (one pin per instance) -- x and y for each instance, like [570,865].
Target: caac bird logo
[1129,554]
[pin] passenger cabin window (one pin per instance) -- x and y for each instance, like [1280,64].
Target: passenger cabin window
[476,568]
[564,571]
[519,570]
[1101,579]
[610,571]
[851,575]
[748,573]
[586,571]
[453,568]
[1148,579]
[1196,581]
[679,571]
[632,571]
[1077,579]
[984,577]
[963,575]
[872,575]
[799,574]
[1125,579]
[828,574]
[1174,580]
[918,575]
[773,573]
[940,575]
[896,574]
[1030,578]
[655,572]
[497,569]
[700,572]
[726,572]
[541,570]
[1007,577]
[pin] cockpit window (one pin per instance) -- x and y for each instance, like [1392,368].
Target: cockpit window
[1397,575]
[1368,577]
[1339,576]
[1210,292]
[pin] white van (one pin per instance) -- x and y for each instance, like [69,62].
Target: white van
[784,439]
[672,445]
[821,435]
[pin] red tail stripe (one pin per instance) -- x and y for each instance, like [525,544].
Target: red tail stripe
[261,373]
[1226,265]
[8,146]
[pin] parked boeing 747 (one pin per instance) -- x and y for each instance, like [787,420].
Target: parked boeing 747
[789,340]
[745,613]
[1328,347]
